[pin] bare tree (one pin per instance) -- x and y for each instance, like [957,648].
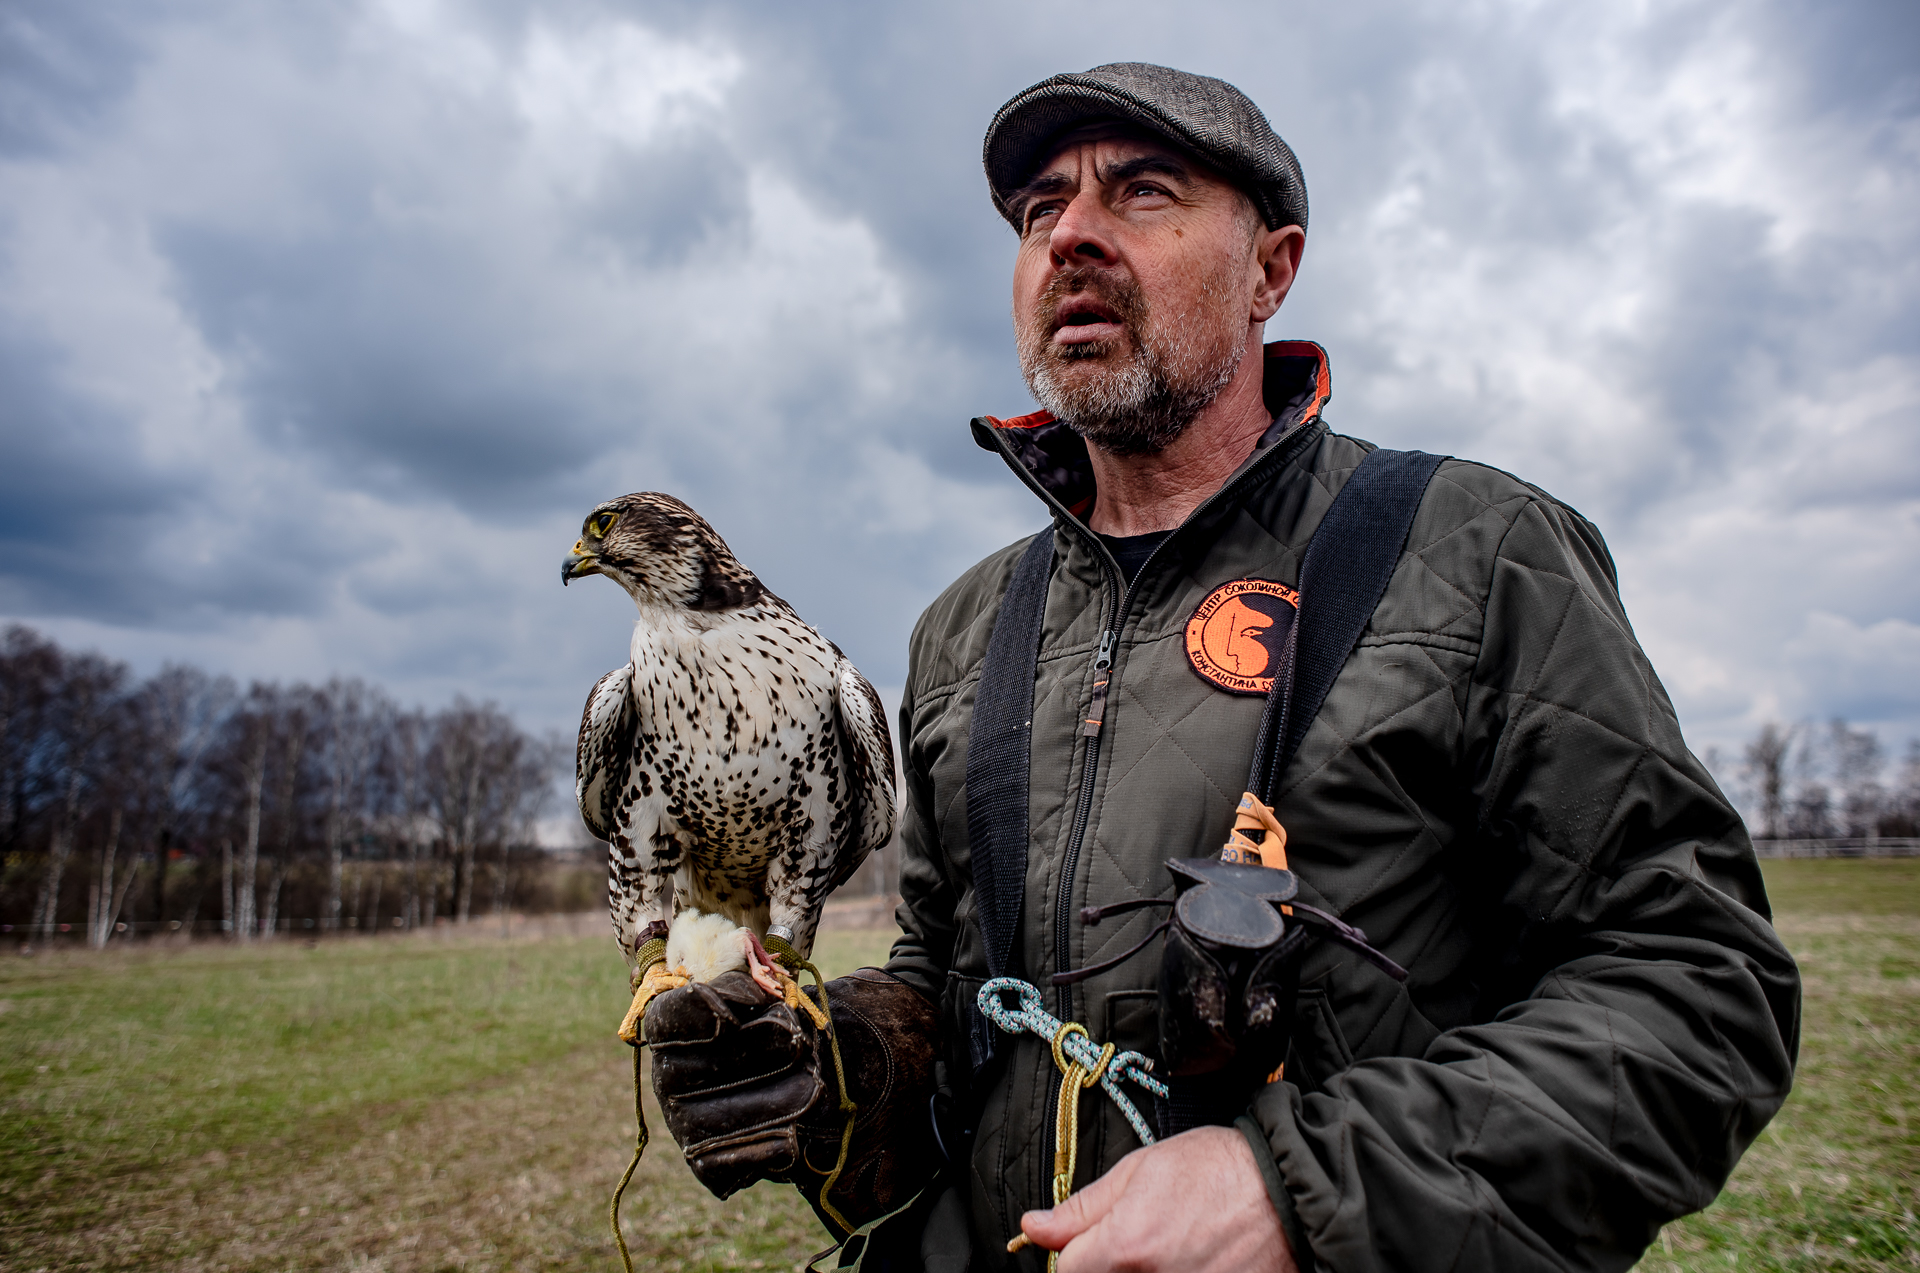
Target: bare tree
[1902,816]
[1858,761]
[107,899]
[181,711]
[1810,812]
[352,717]
[458,768]
[185,777]
[479,778]
[89,696]
[1765,774]
[527,767]
[250,740]
[401,795]
[30,670]
[293,725]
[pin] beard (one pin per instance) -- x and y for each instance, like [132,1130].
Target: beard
[1133,395]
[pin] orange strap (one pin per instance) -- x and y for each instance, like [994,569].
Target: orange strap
[1270,849]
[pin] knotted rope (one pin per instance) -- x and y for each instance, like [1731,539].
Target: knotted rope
[1081,1063]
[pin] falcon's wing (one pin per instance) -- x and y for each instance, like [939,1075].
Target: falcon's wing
[868,748]
[605,750]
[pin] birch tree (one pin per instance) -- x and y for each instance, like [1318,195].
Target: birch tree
[1765,772]
[352,716]
[250,737]
[87,703]
[181,711]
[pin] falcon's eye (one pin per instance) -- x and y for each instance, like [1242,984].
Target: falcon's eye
[599,525]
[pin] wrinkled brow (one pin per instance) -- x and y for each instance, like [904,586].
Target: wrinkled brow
[1053,183]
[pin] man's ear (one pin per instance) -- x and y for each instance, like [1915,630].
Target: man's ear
[1276,254]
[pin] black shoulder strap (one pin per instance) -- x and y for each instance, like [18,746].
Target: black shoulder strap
[999,748]
[1351,557]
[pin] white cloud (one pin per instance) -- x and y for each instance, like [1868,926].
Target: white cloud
[358,314]
[1645,273]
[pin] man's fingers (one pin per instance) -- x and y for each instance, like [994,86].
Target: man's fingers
[1080,1212]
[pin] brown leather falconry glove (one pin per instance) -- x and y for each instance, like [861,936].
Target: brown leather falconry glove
[749,1090]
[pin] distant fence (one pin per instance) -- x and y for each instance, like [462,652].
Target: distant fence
[509,923]
[1848,847]
[846,909]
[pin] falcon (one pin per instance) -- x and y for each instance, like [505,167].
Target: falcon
[739,767]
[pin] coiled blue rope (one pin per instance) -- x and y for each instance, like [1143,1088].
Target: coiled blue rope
[1033,1018]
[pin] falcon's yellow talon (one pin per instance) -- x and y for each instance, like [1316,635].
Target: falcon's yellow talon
[794,999]
[656,979]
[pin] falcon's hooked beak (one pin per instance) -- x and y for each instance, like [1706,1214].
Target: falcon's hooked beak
[579,562]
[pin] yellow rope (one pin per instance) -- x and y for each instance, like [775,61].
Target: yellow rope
[1075,1078]
[786,954]
[639,1148]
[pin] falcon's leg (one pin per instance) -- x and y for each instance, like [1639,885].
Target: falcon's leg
[639,893]
[641,861]
[798,881]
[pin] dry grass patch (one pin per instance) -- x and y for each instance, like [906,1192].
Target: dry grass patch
[425,1104]
[221,1109]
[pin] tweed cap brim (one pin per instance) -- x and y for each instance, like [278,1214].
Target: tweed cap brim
[1208,117]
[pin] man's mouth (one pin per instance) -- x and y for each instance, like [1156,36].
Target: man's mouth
[1080,319]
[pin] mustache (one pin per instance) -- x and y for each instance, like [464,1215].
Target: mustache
[1119,293]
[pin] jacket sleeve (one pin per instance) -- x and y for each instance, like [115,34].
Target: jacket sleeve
[1655,1020]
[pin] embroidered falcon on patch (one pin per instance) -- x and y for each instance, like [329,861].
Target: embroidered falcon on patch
[1237,637]
[739,767]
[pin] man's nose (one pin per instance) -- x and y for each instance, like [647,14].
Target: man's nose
[1083,233]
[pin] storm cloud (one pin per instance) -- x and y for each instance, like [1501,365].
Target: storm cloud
[321,327]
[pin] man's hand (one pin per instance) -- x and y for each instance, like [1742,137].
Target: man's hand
[748,1089]
[1193,1203]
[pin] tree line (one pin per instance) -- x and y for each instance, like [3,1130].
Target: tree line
[1809,782]
[181,799]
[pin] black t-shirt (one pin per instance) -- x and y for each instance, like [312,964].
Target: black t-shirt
[1132,551]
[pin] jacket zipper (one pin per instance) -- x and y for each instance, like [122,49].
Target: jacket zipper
[1091,726]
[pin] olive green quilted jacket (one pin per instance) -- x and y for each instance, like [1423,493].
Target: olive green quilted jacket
[1600,1016]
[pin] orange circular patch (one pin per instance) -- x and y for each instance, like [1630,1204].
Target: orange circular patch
[1237,637]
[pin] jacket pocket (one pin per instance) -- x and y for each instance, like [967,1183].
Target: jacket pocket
[971,1032]
[1132,1022]
[1320,1049]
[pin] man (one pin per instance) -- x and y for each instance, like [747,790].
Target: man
[1598,1017]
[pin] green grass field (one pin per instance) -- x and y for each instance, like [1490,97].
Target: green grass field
[1834,1181]
[436,1103]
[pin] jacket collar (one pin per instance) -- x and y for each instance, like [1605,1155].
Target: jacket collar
[1052,458]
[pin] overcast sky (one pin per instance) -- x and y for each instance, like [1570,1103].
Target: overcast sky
[323,325]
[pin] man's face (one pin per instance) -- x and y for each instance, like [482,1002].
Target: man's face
[1132,288]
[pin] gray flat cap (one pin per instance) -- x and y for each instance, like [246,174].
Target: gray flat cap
[1209,117]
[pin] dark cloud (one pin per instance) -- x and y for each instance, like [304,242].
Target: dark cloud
[75,503]
[666,204]
[85,516]
[62,68]
[439,279]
